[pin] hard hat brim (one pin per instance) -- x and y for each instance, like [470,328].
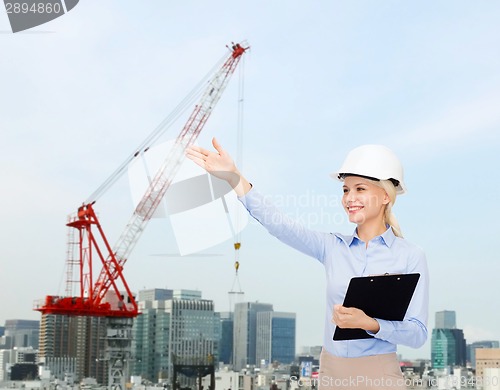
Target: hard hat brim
[400,187]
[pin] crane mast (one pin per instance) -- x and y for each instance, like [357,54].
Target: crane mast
[105,297]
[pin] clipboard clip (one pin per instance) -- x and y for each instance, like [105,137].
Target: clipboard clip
[385,274]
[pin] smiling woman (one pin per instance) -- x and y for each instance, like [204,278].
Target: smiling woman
[375,166]
[372,175]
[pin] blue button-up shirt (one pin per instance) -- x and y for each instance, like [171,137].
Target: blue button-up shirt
[345,257]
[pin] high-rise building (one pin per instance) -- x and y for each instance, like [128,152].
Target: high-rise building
[181,327]
[77,342]
[87,346]
[448,346]
[4,361]
[460,347]
[488,359]
[150,341]
[446,319]
[186,294]
[275,337]
[21,334]
[226,337]
[442,348]
[155,294]
[471,349]
[3,339]
[245,332]
[150,334]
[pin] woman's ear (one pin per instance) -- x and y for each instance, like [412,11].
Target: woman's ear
[387,198]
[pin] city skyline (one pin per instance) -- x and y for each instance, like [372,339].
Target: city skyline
[83,90]
[445,320]
[175,326]
[156,334]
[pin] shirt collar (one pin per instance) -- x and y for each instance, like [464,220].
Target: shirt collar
[387,237]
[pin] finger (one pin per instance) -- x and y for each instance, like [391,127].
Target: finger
[197,160]
[190,152]
[195,154]
[217,146]
[341,309]
[347,313]
[198,149]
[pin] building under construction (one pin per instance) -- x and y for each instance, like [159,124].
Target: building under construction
[74,344]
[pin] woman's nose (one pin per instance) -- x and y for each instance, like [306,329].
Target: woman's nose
[349,197]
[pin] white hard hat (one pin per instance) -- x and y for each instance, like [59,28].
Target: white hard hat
[376,162]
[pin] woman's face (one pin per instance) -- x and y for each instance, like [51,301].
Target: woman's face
[363,200]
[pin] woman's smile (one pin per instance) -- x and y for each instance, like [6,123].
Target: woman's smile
[352,209]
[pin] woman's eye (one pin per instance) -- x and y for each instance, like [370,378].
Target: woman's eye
[345,190]
[360,189]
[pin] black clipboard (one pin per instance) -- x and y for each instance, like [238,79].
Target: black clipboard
[386,297]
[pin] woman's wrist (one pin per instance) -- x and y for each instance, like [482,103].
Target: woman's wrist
[242,186]
[372,325]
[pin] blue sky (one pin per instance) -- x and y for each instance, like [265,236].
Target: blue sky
[79,93]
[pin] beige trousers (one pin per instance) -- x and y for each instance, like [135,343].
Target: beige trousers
[361,373]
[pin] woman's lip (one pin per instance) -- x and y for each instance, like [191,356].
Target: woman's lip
[353,209]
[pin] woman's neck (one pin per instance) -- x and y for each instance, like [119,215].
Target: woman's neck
[367,232]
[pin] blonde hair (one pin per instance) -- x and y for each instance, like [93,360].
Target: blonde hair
[389,217]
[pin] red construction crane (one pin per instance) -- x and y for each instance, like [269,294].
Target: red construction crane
[102,296]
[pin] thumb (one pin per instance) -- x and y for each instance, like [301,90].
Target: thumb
[341,309]
[217,146]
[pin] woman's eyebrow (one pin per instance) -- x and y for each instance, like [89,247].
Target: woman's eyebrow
[356,184]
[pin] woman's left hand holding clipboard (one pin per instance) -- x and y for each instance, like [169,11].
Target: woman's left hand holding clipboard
[350,317]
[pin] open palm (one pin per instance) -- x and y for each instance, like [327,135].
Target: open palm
[218,163]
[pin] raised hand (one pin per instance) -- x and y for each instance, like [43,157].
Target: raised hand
[219,164]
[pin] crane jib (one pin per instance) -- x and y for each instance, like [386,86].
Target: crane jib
[105,295]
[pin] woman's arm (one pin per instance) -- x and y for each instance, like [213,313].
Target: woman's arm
[412,331]
[289,231]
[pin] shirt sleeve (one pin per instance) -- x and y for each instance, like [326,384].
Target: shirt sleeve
[412,331]
[283,227]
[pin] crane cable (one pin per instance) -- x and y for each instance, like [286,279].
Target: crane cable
[239,147]
[186,103]
[236,229]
